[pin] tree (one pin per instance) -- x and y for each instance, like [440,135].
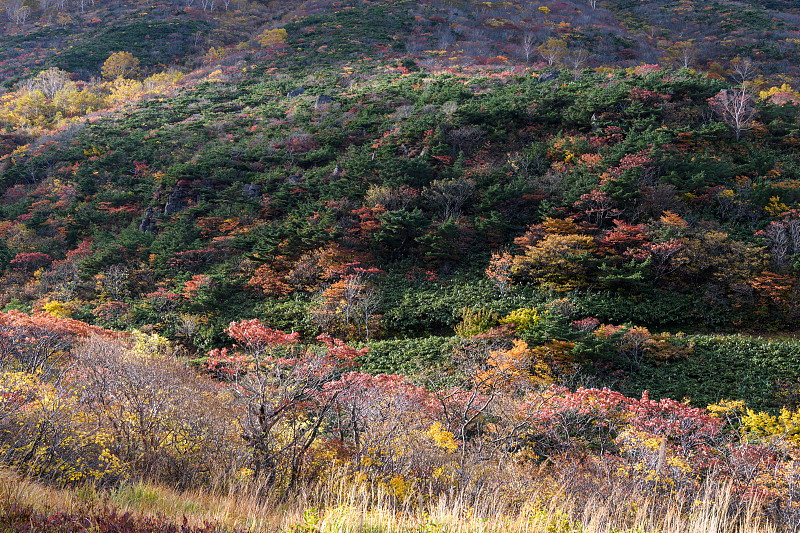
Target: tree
[160,417]
[553,50]
[11,7]
[514,368]
[120,65]
[684,53]
[559,260]
[272,37]
[449,196]
[783,239]
[50,82]
[30,261]
[577,57]
[528,47]
[278,384]
[21,15]
[742,70]
[40,343]
[499,271]
[349,305]
[465,138]
[736,107]
[269,282]
[380,421]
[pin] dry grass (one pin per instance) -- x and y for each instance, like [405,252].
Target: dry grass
[364,507]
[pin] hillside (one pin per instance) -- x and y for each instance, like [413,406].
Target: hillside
[503,210]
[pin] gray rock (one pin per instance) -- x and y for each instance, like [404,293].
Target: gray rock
[551,75]
[148,224]
[296,92]
[179,198]
[252,190]
[322,100]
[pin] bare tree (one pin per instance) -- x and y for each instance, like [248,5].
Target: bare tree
[162,418]
[368,304]
[347,305]
[47,12]
[21,15]
[276,383]
[528,46]
[742,70]
[187,326]
[114,281]
[449,196]
[783,239]
[49,81]
[685,53]
[11,7]
[445,36]
[465,138]
[577,57]
[736,107]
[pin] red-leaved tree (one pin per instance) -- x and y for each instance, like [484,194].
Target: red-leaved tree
[278,384]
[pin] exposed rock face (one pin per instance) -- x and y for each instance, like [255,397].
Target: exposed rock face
[148,223]
[322,100]
[295,179]
[296,92]
[549,76]
[252,190]
[185,194]
[180,198]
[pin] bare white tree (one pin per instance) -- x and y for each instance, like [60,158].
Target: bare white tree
[736,108]
[528,46]
[21,15]
[368,305]
[47,12]
[577,58]
[11,7]
[742,70]
[50,81]
[685,53]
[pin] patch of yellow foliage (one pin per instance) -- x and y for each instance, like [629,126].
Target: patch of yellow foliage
[760,425]
[272,37]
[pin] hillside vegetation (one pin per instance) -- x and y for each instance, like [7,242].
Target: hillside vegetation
[244,245]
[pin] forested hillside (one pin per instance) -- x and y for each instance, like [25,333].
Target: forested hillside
[560,237]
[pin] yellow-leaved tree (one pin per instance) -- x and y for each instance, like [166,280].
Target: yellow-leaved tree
[120,65]
[272,37]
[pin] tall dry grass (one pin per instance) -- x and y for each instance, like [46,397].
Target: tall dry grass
[341,505]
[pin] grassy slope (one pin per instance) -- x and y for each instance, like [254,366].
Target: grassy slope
[142,507]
